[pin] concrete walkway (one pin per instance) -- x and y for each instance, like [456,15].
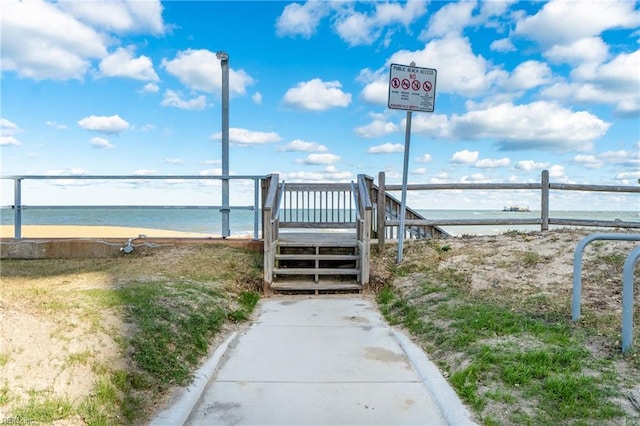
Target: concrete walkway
[318,361]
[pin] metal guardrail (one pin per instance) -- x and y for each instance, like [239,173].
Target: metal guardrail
[627,298]
[627,290]
[18,207]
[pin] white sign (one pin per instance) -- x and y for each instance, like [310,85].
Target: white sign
[412,88]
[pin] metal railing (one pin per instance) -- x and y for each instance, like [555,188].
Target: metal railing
[627,290]
[18,207]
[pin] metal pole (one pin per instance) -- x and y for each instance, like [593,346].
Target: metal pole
[405,172]
[17,206]
[224,63]
[627,299]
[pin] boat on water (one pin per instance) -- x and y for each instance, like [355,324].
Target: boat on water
[515,209]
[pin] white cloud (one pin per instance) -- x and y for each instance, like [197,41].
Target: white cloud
[247,137]
[101,143]
[465,157]
[377,128]
[428,124]
[320,159]
[588,161]
[538,125]
[614,82]
[151,88]
[329,174]
[419,171]
[298,145]
[425,158]
[529,165]
[45,40]
[8,128]
[556,171]
[563,22]
[528,75]
[386,148]
[9,140]
[376,89]
[317,95]
[55,125]
[491,163]
[201,70]
[104,124]
[474,178]
[145,172]
[257,98]
[503,45]
[174,99]
[466,74]
[40,41]
[121,63]
[174,161]
[128,16]
[359,28]
[302,19]
[450,19]
[628,178]
[589,50]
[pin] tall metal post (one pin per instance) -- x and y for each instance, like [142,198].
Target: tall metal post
[224,63]
[405,172]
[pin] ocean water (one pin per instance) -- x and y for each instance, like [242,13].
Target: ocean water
[241,222]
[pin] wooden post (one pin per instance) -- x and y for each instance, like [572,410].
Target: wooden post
[382,196]
[544,204]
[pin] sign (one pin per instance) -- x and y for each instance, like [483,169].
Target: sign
[412,88]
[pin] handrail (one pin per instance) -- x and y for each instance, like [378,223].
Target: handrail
[276,215]
[627,298]
[577,282]
[354,193]
[18,207]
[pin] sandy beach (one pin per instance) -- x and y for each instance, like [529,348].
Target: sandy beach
[74,231]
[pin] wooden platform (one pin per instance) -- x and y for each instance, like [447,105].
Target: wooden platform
[321,239]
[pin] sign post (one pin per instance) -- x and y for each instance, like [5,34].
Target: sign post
[411,88]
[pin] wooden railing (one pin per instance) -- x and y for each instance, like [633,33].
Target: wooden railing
[317,205]
[544,220]
[361,194]
[272,193]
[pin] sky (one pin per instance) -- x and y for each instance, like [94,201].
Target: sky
[134,88]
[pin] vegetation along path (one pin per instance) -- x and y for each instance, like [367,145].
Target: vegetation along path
[107,341]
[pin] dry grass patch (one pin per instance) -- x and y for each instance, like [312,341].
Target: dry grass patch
[102,341]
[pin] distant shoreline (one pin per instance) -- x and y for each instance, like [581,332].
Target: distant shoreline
[84,231]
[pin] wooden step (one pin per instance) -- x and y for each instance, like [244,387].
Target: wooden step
[317,256]
[315,271]
[316,286]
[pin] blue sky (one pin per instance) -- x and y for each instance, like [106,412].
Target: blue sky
[133,87]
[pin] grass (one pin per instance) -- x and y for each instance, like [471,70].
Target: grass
[162,311]
[512,358]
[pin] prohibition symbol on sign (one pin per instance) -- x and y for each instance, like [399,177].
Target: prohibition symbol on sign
[427,86]
[415,85]
[395,82]
[405,84]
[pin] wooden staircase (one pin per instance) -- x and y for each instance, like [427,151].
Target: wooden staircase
[317,262]
[316,236]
